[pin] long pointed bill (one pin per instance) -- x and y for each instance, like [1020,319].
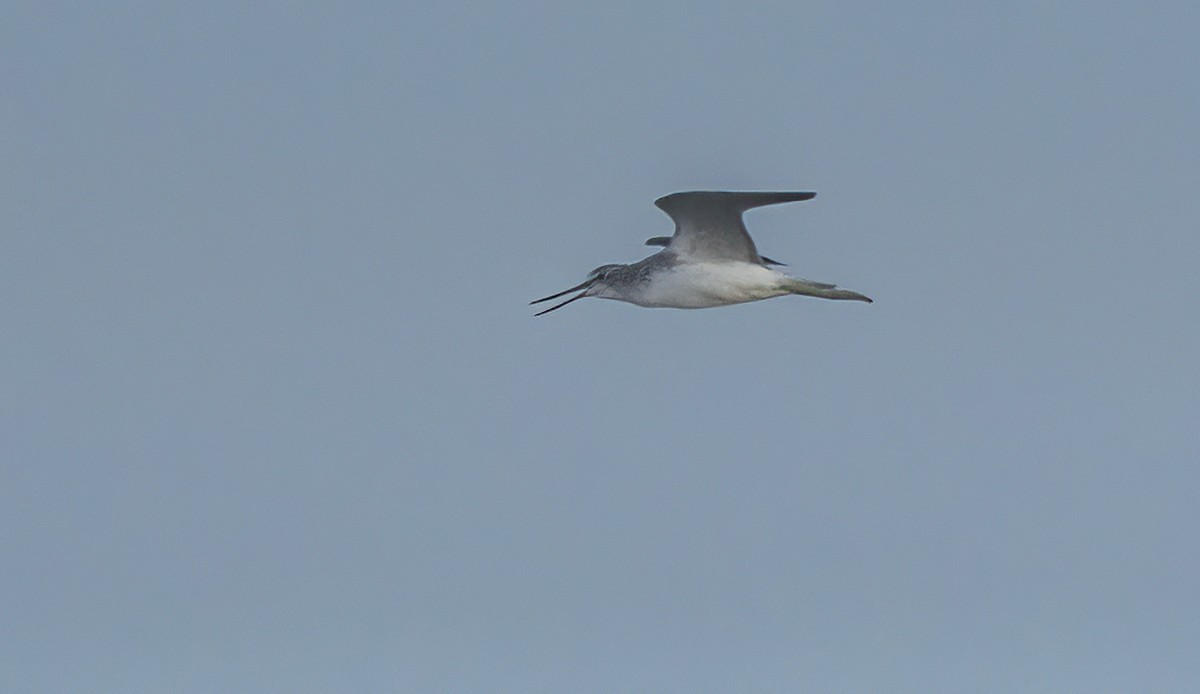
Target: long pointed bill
[577,297]
[587,283]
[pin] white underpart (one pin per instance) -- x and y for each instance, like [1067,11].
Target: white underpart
[706,284]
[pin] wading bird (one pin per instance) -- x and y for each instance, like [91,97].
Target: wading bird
[710,261]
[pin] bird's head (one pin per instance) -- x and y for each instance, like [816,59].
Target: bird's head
[596,284]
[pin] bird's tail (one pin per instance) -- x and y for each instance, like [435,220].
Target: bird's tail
[823,290]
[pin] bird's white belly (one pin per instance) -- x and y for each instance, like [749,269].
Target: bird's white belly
[703,285]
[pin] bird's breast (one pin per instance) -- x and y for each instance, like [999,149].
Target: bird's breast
[704,285]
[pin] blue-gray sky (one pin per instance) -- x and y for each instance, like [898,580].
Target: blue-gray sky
[276,416]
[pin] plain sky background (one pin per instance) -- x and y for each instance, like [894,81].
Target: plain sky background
[275,416]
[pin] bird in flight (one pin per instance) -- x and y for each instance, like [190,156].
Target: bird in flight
[710,261]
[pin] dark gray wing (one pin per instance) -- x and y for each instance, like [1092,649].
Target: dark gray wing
[708,224]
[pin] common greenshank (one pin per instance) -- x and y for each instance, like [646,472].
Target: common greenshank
[710,261]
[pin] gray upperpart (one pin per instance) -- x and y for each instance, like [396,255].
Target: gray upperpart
[708,224]
[666,240]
